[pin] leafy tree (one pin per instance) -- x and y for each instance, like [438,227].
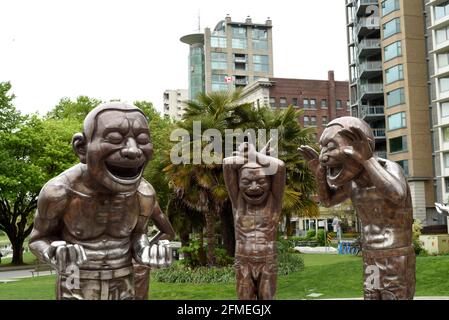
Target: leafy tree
[78,110]
[9,116]
[29,156]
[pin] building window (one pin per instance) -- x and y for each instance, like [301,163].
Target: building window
[441,10]
[339,105]
[306,103]
[444,84]
[392,51]
[313,103]
[283,102]
[324,104]
[397,121]
[239,44]
[394,74]
[443,60]
[398,144]
[313,121]
[306,121]
[446,183]
[260,63]
[217,42]
[239,32]
[324,121]
[442,35]
[405,167]
[272,102]
[445,134]
[445,109]
[395,97]
[389,6]
[219,61]
[295,102]
[260,39]
[219,82]
[392,27]
[446,160]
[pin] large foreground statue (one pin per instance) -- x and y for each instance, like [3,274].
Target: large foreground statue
[92,219]
[256,196]
[347,168]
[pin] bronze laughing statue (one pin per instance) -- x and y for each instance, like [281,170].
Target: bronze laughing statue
[256,196]
[92,219]
[347,168]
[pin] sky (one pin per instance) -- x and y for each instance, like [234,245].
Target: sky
[130,50]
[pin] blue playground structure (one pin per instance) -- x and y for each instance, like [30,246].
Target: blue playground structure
[348,247]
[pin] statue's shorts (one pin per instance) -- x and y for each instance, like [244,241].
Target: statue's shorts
[256,277]
[115,284]
[389,274]
[142,281]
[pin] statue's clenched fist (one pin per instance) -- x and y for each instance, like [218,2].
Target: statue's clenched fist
[158,255]
[62,255]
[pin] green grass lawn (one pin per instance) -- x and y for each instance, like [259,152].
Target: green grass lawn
[28,258]
[333,276]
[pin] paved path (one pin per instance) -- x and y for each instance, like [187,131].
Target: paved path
[6,276]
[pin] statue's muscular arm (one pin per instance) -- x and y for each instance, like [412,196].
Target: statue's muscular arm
[231,167]
[278,179]
[51,204]
[45,241]
[149,210]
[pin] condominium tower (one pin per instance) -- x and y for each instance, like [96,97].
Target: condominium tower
[232,55]
[173,103]
[387,46]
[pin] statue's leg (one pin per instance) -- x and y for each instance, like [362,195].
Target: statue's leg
[246,289]
[141,281]
[399,279]
[84,289]
[122,288]
[371,283]
[268,280]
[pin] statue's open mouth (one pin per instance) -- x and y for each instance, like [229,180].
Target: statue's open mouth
[255,195]
[334,172]
[125,172]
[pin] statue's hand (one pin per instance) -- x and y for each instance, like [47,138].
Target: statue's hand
[360,149]
[312,157]
[62,255]
[157,255]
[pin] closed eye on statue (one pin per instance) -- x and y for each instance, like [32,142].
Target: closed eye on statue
[143,138]
[332,145]
[114,137]
[245,181]
[262,181]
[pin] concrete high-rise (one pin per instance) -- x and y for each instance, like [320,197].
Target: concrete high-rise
[173,103]
[390,90]
[232,55]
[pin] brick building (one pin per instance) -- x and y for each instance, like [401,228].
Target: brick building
[322,100]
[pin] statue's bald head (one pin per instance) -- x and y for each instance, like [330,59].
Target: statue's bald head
[90,121]
[348,122]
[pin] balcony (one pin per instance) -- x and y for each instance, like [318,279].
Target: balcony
[362,6]
[370,69]
[366,26]
[368,47]
[372,112]
[381,154]
[379,134]
[371,91]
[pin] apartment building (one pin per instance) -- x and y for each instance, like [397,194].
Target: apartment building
[173,103]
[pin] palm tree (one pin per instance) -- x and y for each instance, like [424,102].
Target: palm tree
[201,187]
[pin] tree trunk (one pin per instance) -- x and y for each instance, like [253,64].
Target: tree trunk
[17,252]
[185,239]
[210,235]
[227,230]
[288,225]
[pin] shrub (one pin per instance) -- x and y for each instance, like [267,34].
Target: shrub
[417,244]
[311,234]
[179,273]
[321,237]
